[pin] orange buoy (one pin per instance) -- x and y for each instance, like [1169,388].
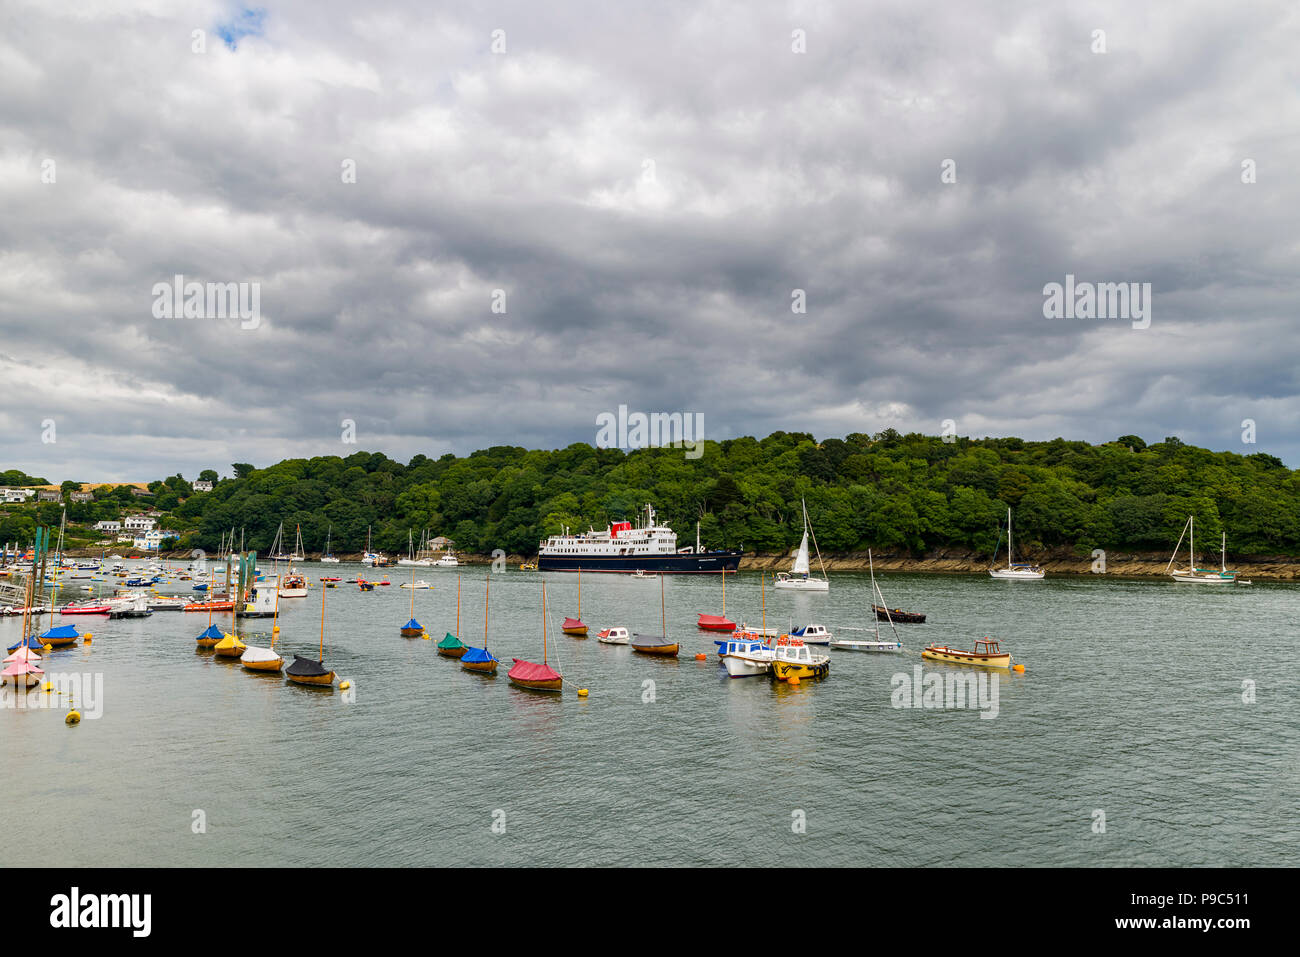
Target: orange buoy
[793,679]
[1020,669]
[701,657]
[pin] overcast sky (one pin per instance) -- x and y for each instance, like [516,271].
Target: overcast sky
[648,184]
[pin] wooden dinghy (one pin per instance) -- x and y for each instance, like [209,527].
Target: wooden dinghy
[532,675]
[655,645]
[576,627]
[898,616]
[987,654]
[480,660]
[309,671]
[61,636]
[230,647]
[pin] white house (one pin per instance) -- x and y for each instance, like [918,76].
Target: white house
[201,486]
[139,523]
[108,526]
[148,541]
[18,494]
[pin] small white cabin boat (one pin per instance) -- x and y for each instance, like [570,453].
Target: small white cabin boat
[614,636]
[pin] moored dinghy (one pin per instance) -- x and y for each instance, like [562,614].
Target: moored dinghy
[21,673]
[480,660]
[305,671]
[210,637]
[660,645]
[412,629]
[575,626]
[614,636]
[530,674]
[718,622]
[61,636]
[230,646]
[451,646]
[877,643]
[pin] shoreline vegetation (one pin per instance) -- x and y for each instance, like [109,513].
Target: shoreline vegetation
[920,502]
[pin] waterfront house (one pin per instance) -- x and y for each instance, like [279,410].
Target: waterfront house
[201,486]
[17,494]
[138,523]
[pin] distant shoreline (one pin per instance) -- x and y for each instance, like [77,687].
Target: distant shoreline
[940,562]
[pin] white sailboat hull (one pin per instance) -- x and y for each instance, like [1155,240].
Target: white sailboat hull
[783,581]
[1016,574]
[854,644]
[1191,578]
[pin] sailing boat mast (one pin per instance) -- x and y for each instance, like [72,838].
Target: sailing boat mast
[1009,560]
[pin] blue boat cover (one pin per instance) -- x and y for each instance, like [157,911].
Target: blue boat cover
[31,642]
[477,655]
[798,632]
[413,624]
[212,632]
[63,631]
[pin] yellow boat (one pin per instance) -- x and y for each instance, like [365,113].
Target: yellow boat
[229,647]
[987,654]
[793,659]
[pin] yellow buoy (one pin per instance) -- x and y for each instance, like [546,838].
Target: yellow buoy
[47,687]
[47,647]
[793,679]
[345,685]
[88,636]
[582,692]
[1020,669]
[275,629]
[74,717]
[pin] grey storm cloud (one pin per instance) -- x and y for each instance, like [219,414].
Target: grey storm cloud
[648,185]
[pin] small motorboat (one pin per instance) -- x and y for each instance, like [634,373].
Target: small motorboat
[293,586]
[898,616]
[987,654]
[744,657]
[131,608]
[813,634]
[793,659]
[614,636]
[74,609]
[420,584]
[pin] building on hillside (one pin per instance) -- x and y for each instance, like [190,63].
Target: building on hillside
[148,541]
[201,486]
[48,495]
[108,526]
[441,543]
[138,523]
[141,492]
[17,494]
[82,496]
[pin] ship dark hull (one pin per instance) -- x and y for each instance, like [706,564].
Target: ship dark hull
[691,564]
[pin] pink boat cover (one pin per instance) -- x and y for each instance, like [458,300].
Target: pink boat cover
[532,671]
[21,668]
[573,623]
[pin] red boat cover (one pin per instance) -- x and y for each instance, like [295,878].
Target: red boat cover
[573,623]
[717,623]
[532,671]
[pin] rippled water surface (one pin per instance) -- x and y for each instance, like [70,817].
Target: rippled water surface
[1131,704]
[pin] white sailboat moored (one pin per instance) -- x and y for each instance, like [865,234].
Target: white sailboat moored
[798,578]
[1014,572]
[1191,575]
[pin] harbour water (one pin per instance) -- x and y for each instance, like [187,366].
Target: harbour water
[1131,706]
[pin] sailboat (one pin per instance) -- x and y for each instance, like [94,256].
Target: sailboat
[256,658]
[877,643]
[305,671]
[1192,575]
[230,646]
[575,626]
[530,674]
[718,622]
[412,629]
[1014,572]
[480,659]
[657,644]
[328,558]
[21,669]
[451,646]
[798,577]
[277,546]
[299,555]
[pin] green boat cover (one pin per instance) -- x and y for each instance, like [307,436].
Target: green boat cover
[451,641]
